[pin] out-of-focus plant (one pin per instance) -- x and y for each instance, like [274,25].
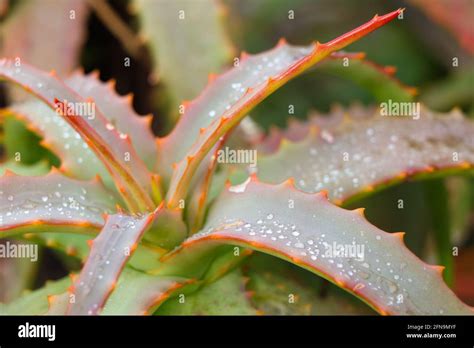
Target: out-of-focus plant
[167,231]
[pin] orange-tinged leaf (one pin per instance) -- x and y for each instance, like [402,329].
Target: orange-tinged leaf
[131,176]
[337,244]
[232,95]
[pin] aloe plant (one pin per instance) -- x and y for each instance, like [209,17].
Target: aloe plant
[167,236]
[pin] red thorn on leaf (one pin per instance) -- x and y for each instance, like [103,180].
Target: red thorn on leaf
[253,177]
[290,182]
[282,42]
[8,172]
[324,193]
[360,211]
[95,74]
[211,77]
[390,69]
[129,98]
[111,84]
[438,269]
[429,169]
[243,55]
[90,243]
[399,235]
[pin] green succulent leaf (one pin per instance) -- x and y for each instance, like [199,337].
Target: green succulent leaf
[211,50]
[17,274]
[309,231]
[379,80]
[136,293]
[110,252]
[168,228]
[52,202]
[353,153]
[77,158]
[139,293]
[133,180]
[279,288]
[21,144]
[226,101]
[39,168]
[35,302]
[207,300]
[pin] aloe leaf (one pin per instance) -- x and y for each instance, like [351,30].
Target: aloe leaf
[304,229]
[226,101]
[379,80]
[139,293]
[457,21]
[360,155]
[436,196]
[168,228]
[35,302]
[18,273]
[110,252]
[145,258]
[162,20]
[198,201]
[131,176]
[279,288]
[119,111]
[39,168]
[31,23]
[77,159]
[52,203]
[21,144]
[207,301]
[136,293]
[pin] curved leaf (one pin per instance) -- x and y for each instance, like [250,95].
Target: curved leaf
[77,158]
[209,300]
[139,293]
[308,231]
[35,302]
[51,203]
[32,36]
[132,178]
[226,101]
[136,293]
[278,288]
[178,19]
[379,80]
[359,155]
[119,111]
[110,252]
[39,168]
